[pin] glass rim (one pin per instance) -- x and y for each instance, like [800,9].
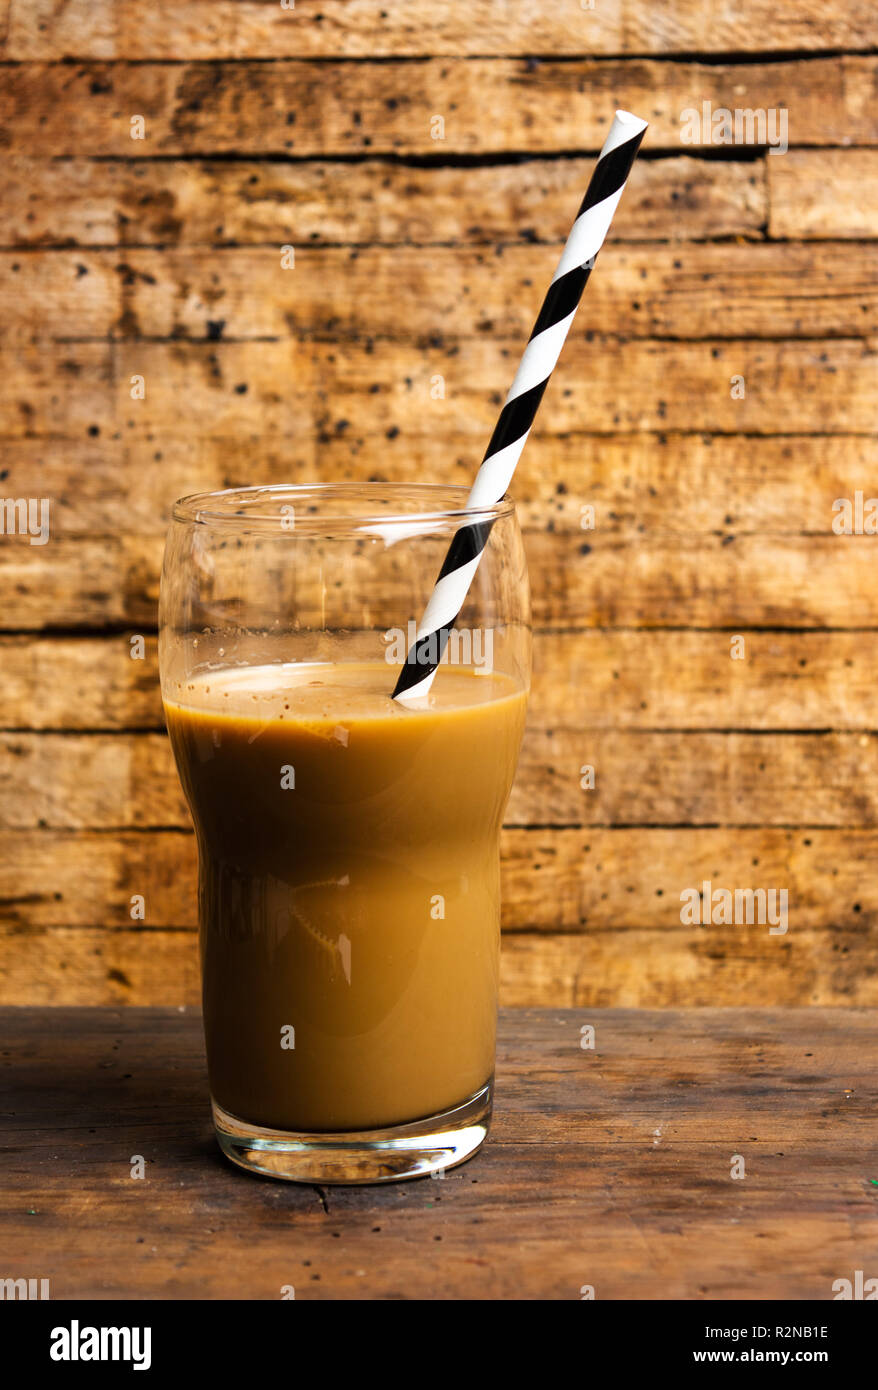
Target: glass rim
[228,506]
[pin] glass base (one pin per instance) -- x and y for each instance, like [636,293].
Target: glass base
[412,1150]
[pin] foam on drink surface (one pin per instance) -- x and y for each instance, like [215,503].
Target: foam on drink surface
[317,692]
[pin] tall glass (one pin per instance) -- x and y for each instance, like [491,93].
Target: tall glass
[349,896]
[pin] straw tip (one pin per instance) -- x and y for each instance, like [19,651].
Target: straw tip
[631,122]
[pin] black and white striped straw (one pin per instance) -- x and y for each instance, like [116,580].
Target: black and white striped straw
[517,416]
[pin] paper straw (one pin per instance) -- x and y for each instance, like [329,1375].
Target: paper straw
[510,434]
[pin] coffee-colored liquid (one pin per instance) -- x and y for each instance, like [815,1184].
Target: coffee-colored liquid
[349,886]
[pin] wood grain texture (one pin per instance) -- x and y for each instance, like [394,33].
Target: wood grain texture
[811,193]
[712,581]
[371,28]
[608,1167]
[117,781]
[301,109]
[641,679]
[424,163]
[602,878]
[820,290]
[299,392]
[203,202]
[641,967]
[645,483]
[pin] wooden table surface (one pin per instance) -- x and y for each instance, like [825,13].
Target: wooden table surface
[608,1167]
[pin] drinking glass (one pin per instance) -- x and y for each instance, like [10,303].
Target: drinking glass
[348,843]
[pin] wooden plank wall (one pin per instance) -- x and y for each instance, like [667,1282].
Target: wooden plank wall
[315,127]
